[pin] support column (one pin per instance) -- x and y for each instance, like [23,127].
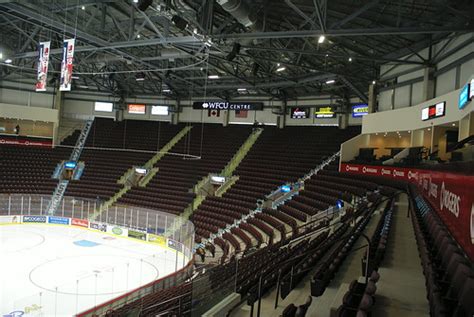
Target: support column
[57,104]
[343,120]
[175,113]
[428,83]
[225,117]
[282,117]
[372,99]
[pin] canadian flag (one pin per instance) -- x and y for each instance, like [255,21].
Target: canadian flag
[213,113]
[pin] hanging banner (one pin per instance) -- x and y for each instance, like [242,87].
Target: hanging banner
[66,65]
[43,61]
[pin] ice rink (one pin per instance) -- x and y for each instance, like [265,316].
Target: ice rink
[51,270]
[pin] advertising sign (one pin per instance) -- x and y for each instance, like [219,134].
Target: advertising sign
[153,238]
[450,195]
[223,105]
[137,234]
[80,222]
[463,96]
[98,226]
[324,113]
[26,142]
[58,220]
[360,110]
[159,110]
[299,113]
[434,111]
[9,219]
[118,231]
[35,219]
[43,61]
[66,65]
[136,109]
[471,89]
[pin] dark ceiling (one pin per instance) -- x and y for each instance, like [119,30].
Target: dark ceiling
[177,44]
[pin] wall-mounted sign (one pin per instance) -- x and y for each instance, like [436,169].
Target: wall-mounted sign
[471,90]
[324,113]
[136,109]
[360,110]
[463,96]
[434,111]
[159,110]
[223,105]
[299,113]
[103,106]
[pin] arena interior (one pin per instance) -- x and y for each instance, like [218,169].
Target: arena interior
[237,158]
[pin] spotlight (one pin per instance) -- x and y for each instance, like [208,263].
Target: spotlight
[213,76]
[8,61]
[241,89]
[321,39]
[83,8]
[166,90]
[140,77]
[373,82]
[180,23]
[331,81]
[350,59]
[280,69]
[1,55]
[143,4]
[138,36]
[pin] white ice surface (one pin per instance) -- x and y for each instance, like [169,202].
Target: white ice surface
[40,266]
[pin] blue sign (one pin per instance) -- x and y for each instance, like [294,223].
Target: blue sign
[285,189]
[58,220]
[360,110]
[70,164]
[339,203]
[463,96]
[36,219]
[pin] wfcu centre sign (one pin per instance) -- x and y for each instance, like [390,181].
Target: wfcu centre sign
[224,105]
[450,194]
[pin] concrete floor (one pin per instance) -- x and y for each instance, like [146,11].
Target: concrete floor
[400,291]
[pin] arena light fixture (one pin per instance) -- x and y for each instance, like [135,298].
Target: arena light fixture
[373,82]
[331,81]
[83,7]
[241,89]
[280,69]
[213,76]
[350,59]
[321,39]
[8,61]
[166,90]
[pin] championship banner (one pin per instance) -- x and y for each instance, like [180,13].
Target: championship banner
[450,194]
[43,61]
[66,65]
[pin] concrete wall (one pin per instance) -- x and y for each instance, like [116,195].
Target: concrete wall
[454,65]
[406,119]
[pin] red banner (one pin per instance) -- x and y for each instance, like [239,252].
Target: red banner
[26,142]
[452,195]
[80,222]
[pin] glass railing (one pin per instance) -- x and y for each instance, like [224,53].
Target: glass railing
[64,286]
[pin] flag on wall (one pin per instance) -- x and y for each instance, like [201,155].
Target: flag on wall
[43,61]
[213,113]
[241,113]
[66,65]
